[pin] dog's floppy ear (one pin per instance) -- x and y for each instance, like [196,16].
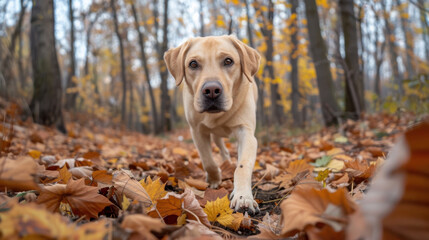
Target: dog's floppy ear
[250,58]
[174,59]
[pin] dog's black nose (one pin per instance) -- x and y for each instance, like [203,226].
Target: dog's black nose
[212,89]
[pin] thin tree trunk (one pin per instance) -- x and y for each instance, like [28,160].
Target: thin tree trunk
[46,104]
[123,69]
[20,63]
[397,76]
[143,59]
[260,109]
[330,108]
[360,20]
[88,41]
[425,27]
[202,30]
[11,88]
[354,97]
[408,42]
[165,123]
[71,84]
[378,57]
[294,64]
[267,31]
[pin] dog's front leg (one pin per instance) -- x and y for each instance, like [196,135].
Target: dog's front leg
[242,197]
[203,144]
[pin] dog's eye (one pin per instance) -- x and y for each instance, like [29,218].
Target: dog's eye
[193,64]
[228,62]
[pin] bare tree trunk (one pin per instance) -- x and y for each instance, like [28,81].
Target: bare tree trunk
[425,27]
[294,63]
[71,84]
[165,121]
[20,63]
[354,97]
[330,108]
[143,58]
[397,76]
[46,105]
[11,88]
[260,109]
[202,31]
[123,69]
[378,57]
[267,31]
[361,42]
[408,43]
[276,108]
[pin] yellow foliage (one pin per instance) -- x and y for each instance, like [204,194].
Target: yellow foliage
[219,211]
[322,3]
[155,189]
[34,154]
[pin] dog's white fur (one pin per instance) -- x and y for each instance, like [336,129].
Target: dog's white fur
[238,117]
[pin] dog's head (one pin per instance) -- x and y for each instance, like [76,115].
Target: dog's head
[212,68]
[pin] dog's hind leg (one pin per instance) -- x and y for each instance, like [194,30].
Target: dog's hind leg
[224,153]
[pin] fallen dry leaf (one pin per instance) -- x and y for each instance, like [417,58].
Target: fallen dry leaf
[18,174]
[102,176]
[311,210]
[219,211]
[212,194]
[32,222]
[198,184]
[130,187]
[83,200]
[155,189]
[142,227]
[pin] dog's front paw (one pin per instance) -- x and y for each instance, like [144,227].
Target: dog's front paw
[244,202]
[214,178]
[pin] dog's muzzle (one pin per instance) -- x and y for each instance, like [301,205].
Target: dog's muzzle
[211,92]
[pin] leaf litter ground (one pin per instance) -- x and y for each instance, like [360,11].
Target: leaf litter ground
[127,185]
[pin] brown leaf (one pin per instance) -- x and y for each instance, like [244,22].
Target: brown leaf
[310,210]
[91,155]
[102,176]
[198,184]
[192,205]
[18,174]
[298,166]
[130,187]
[64,176]
[213,194]
[359,170]
[84,200]
[81,172]
[227,169]
[142,226]
[376,151]
[170,205]
[342,181]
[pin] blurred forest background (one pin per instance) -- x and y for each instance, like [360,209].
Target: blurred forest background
[322,61]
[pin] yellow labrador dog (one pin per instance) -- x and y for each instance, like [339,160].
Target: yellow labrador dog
[220,96]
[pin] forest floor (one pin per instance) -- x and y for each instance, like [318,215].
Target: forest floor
[98,182]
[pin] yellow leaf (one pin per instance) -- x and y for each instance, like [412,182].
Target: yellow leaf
[321,176]
[125,203]
[34,154]
[155,189]
[334,151]
[334,165]
[181,220]
[219,211]
[180,151]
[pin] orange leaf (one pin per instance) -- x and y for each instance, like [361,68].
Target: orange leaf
[166,207]
[142,226]
[18,174]
[102,176]
[198,184]
[84,200]
[298,166]
[309,210]
[155,189]
[34,154]
[64,176]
